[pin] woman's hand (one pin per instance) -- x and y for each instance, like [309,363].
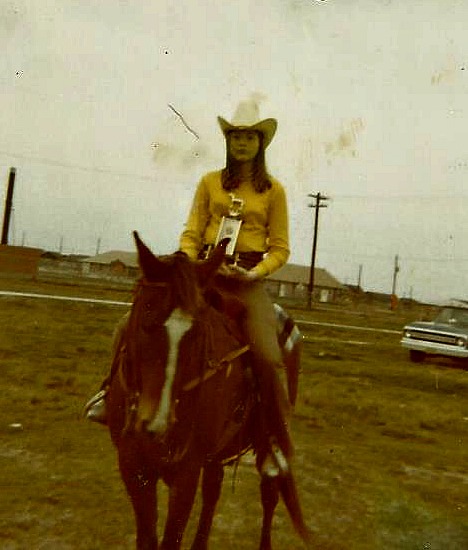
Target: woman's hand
[237,272]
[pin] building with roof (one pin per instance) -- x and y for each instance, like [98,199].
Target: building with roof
[292,281]
[112,264]
[19,261]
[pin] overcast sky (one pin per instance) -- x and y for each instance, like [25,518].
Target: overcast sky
[370,98]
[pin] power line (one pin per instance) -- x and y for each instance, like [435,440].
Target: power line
[71,166]
[410,198]
[404,257]
[92,169]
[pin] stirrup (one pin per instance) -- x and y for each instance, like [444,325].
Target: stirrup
[95,408]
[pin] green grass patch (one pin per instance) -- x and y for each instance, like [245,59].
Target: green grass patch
[381,443]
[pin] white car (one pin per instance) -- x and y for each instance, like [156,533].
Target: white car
[446,335]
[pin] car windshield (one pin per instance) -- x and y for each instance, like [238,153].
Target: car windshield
[453,316]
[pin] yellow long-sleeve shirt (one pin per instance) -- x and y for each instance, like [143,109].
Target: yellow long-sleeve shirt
[264,227]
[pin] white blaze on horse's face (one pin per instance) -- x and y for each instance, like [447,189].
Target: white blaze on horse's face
[176,325]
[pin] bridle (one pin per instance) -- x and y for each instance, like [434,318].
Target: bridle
[138,307]
[130,375]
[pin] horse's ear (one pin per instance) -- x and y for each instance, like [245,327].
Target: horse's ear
[209,267]
[149,263]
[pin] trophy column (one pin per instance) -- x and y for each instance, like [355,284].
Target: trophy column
[230,225]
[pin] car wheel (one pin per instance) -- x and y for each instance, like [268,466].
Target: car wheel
[417,356]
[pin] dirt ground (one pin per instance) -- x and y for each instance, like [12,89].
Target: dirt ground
[381,443]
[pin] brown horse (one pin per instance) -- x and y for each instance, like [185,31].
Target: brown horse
[183,402]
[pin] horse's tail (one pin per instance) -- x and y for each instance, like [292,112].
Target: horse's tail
[290,341]
[288,491]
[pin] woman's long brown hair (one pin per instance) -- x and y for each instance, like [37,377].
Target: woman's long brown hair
[230,175]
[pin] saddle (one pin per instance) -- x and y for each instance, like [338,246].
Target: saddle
[227,303]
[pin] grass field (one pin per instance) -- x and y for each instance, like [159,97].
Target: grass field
[382,444]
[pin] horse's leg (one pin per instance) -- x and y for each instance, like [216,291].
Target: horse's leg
[270,496]
[181,496]
[140,482]
[213,473]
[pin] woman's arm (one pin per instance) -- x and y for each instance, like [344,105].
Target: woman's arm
[191,239]
[278,235]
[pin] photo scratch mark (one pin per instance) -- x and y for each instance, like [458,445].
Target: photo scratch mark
[171,107]
[178,156]
[346,140]
[445,75]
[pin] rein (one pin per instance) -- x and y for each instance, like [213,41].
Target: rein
[212,366]
[144,283]
[150,284]
[129,378]
[216,366]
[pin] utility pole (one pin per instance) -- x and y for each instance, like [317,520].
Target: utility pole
[8,205]
[359,277]
[393,298]
[317,205]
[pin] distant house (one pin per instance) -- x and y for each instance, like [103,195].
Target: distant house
[292,281]
[55,264]
[19,261]
[113,264]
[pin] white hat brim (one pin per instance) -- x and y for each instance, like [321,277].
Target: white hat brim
[267,127]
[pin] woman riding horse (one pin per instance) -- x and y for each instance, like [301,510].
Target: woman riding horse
[181,404]
[246,202]
[246,191]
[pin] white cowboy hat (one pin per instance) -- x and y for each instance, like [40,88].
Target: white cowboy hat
[247,117]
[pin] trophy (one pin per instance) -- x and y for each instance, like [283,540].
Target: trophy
[230,225]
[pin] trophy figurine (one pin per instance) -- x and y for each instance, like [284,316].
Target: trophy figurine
[230,225]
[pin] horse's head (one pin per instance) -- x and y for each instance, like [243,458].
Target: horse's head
[186,278]
[167,299]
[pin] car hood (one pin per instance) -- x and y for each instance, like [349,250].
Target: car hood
[437,327]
